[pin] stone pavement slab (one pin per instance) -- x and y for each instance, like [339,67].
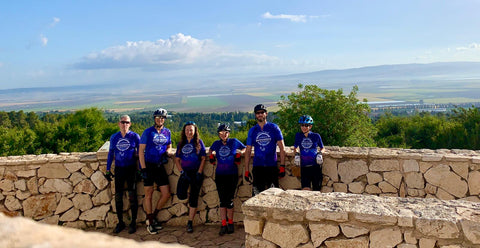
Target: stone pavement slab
[203,236]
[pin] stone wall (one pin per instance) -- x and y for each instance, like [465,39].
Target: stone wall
[295,218]
[69,188]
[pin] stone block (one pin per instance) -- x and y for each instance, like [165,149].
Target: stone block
[387,237]
[292,234]
[351,231]
[385,165]
[39,206]
[53,170]
[352,169]
[321,232]
[360,242]
[253,227]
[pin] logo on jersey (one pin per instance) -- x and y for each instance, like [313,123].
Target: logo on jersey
[123,145]
[187,149]
[224,151]
[263,138]
[307,143]
[160,139]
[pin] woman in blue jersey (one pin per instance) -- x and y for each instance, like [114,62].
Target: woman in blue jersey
[155,144]
[307,156]
[226,174]
[190,160]
[124,150]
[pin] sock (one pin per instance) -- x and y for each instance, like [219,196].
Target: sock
[155,213]
[224,222]
[150,218]
[190,222]
[230,221]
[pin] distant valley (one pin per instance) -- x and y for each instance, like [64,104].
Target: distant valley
[452,82]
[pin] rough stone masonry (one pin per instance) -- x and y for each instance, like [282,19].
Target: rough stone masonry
[293,218]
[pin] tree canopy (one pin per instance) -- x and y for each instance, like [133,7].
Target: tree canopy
[340,119]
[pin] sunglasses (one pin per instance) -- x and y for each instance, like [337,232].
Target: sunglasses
[125,122]
[305,125]
[260,112]
[189,123]
[160,117]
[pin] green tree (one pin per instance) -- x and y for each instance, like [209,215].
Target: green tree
[83,131]
[340,119]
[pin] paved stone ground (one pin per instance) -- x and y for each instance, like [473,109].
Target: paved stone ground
[203,236]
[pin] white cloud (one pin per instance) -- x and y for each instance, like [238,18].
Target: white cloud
[292,18]
[43,40]
[178,52]
[55,21]
[472,46]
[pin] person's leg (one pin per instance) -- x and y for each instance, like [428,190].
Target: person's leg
[231,187]
[147,201]
[220,182]
[305,178]
[193,198]
[258,180]
[132,197]
[119,189]
[161,180]
[317,178]
[271,177]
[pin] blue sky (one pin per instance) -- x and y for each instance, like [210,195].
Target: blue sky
[54,43]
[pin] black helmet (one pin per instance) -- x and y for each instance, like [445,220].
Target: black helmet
[160,112]
[259,107]
[223,127]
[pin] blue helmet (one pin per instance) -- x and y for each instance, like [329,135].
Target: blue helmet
[305,119]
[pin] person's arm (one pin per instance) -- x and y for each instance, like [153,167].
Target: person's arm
[247,154]
[111,154]
[281,146]
[178,164]
[202,164]
[141,155]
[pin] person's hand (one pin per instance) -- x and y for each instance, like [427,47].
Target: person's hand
[281,172]
[238,159]
[199,177]
[319,158]
[297,160]
[184,176]
[212,159]
[248,176]
[164,158]
[143,173]
[108,175]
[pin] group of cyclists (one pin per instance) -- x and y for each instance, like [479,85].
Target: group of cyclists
[151,151]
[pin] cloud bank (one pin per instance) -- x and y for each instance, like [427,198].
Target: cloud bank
[292,18]
[178,52]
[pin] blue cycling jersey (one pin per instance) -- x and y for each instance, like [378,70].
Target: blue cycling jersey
[308,147]
[123,149]
[225,155]
[189,156]
[264,143]
[156,143]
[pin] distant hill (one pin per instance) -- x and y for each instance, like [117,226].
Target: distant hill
[436,82]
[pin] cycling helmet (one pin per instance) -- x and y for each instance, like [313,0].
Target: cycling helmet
[223,127]
[305,119]
[259,107]
[190,123]
[160,112]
